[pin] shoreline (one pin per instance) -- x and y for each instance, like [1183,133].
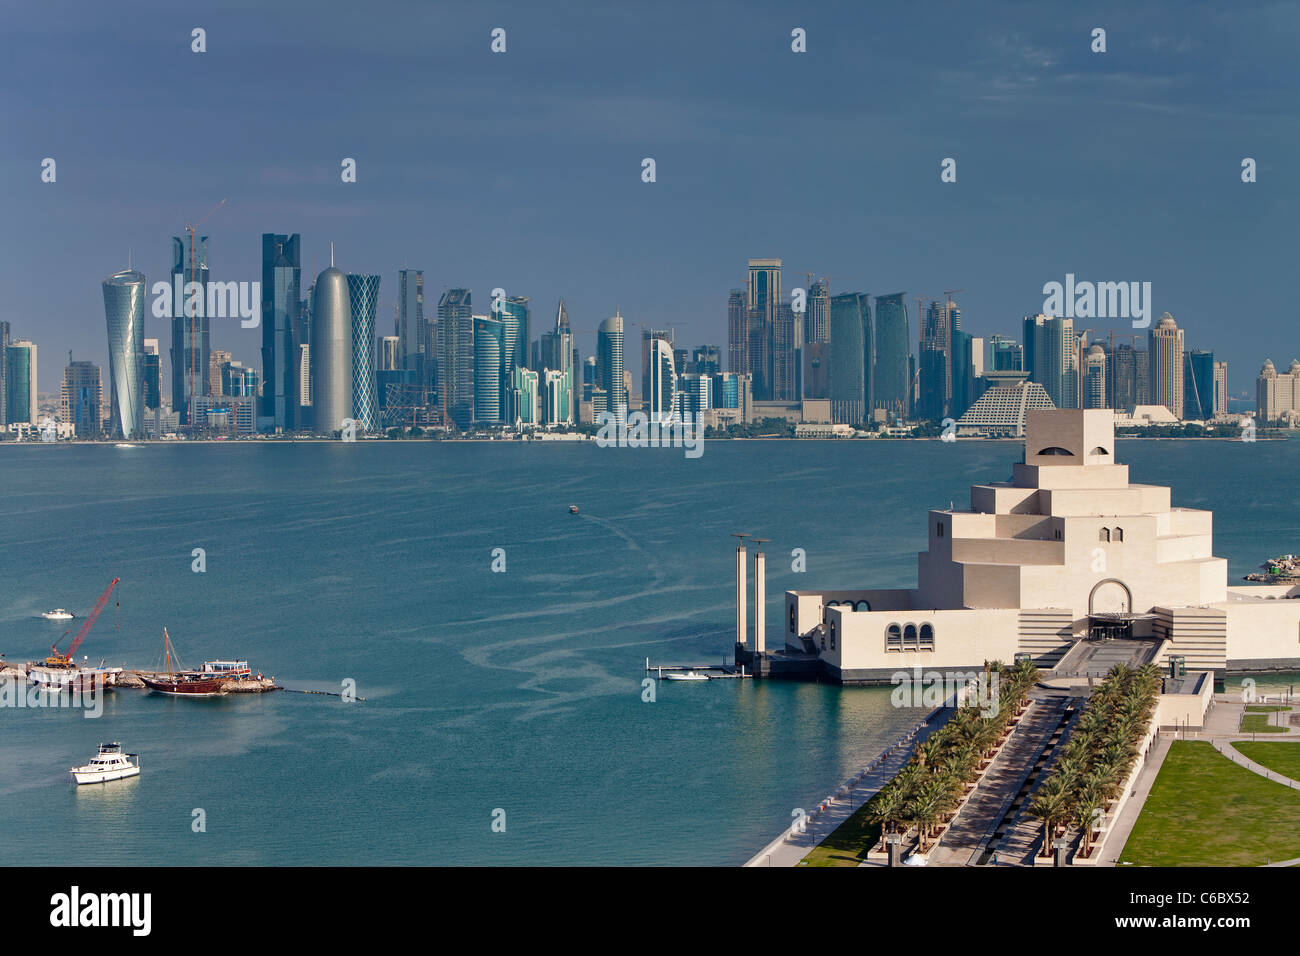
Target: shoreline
[586,439]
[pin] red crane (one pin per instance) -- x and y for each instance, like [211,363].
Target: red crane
[65,660]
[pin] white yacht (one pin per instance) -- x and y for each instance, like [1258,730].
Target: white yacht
[58,614]
[686,675]
[109,764]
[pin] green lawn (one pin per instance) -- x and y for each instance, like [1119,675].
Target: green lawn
[1274,754]
[1258,724]
[1204,810]
[847,844]
[1265,708]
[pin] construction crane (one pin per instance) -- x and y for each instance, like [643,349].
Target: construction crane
[65,660]
[193,347]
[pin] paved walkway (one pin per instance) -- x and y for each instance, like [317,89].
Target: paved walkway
[790,847]
[1236,756]
[966,836]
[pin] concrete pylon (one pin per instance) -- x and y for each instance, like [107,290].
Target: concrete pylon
[742,625]
[760,597]
[742,570]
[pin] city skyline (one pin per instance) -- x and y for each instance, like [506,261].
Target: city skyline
[1172,210]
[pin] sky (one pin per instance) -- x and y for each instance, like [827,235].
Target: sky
[523,169]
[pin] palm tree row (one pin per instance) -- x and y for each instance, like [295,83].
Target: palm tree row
[1099,755]
[946,764]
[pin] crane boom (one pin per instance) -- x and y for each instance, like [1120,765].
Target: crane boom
[56,659]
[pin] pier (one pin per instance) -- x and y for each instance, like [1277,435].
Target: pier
[715,671]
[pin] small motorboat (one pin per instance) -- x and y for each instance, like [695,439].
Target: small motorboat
[125,444]
[686,675]
[58,614]
[109,764]
[573,509]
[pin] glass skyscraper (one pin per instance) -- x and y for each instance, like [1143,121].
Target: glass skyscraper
[152,375]
[456,356]
[1198,385]
[1051,342]
[849,378]
[363,296]
[4,372]
[489,348]
[411,329]
[737,333]
[191,340]
[662,381]
[513,316]
[124,294]
[609,363]
[283,330]
[764,301]
[891,374]
[556,354]
[20,382]
[80,398]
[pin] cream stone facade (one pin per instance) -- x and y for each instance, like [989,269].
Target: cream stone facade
[1067,550]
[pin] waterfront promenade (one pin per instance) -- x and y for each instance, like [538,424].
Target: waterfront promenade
[792,846]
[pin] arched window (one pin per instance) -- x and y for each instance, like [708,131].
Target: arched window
[1099,451]
[938,531]
[893,638]
[1119,534]
[1103,535]
[862,606]
[910,642]
[1057,450]
[927,637]
[793,618]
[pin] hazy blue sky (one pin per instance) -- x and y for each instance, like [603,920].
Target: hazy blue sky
[522,169]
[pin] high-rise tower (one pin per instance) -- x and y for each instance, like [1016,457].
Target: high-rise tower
[763,302]
[411,328]
[489,349]
[283,330]
[609,362]
[363,297]
[191,338]
[456,356]
[1166,357]
[124,294]
[331,351]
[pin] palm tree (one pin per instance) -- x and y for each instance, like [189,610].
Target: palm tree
[1085,816]
[929,753]
[926,808]
[1049,805]
[886,807]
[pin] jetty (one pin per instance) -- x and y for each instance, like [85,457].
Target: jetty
[714,671]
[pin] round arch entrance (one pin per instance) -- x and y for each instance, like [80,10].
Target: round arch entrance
[1110,610]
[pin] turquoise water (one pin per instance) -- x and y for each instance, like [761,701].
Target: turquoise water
[519,691]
